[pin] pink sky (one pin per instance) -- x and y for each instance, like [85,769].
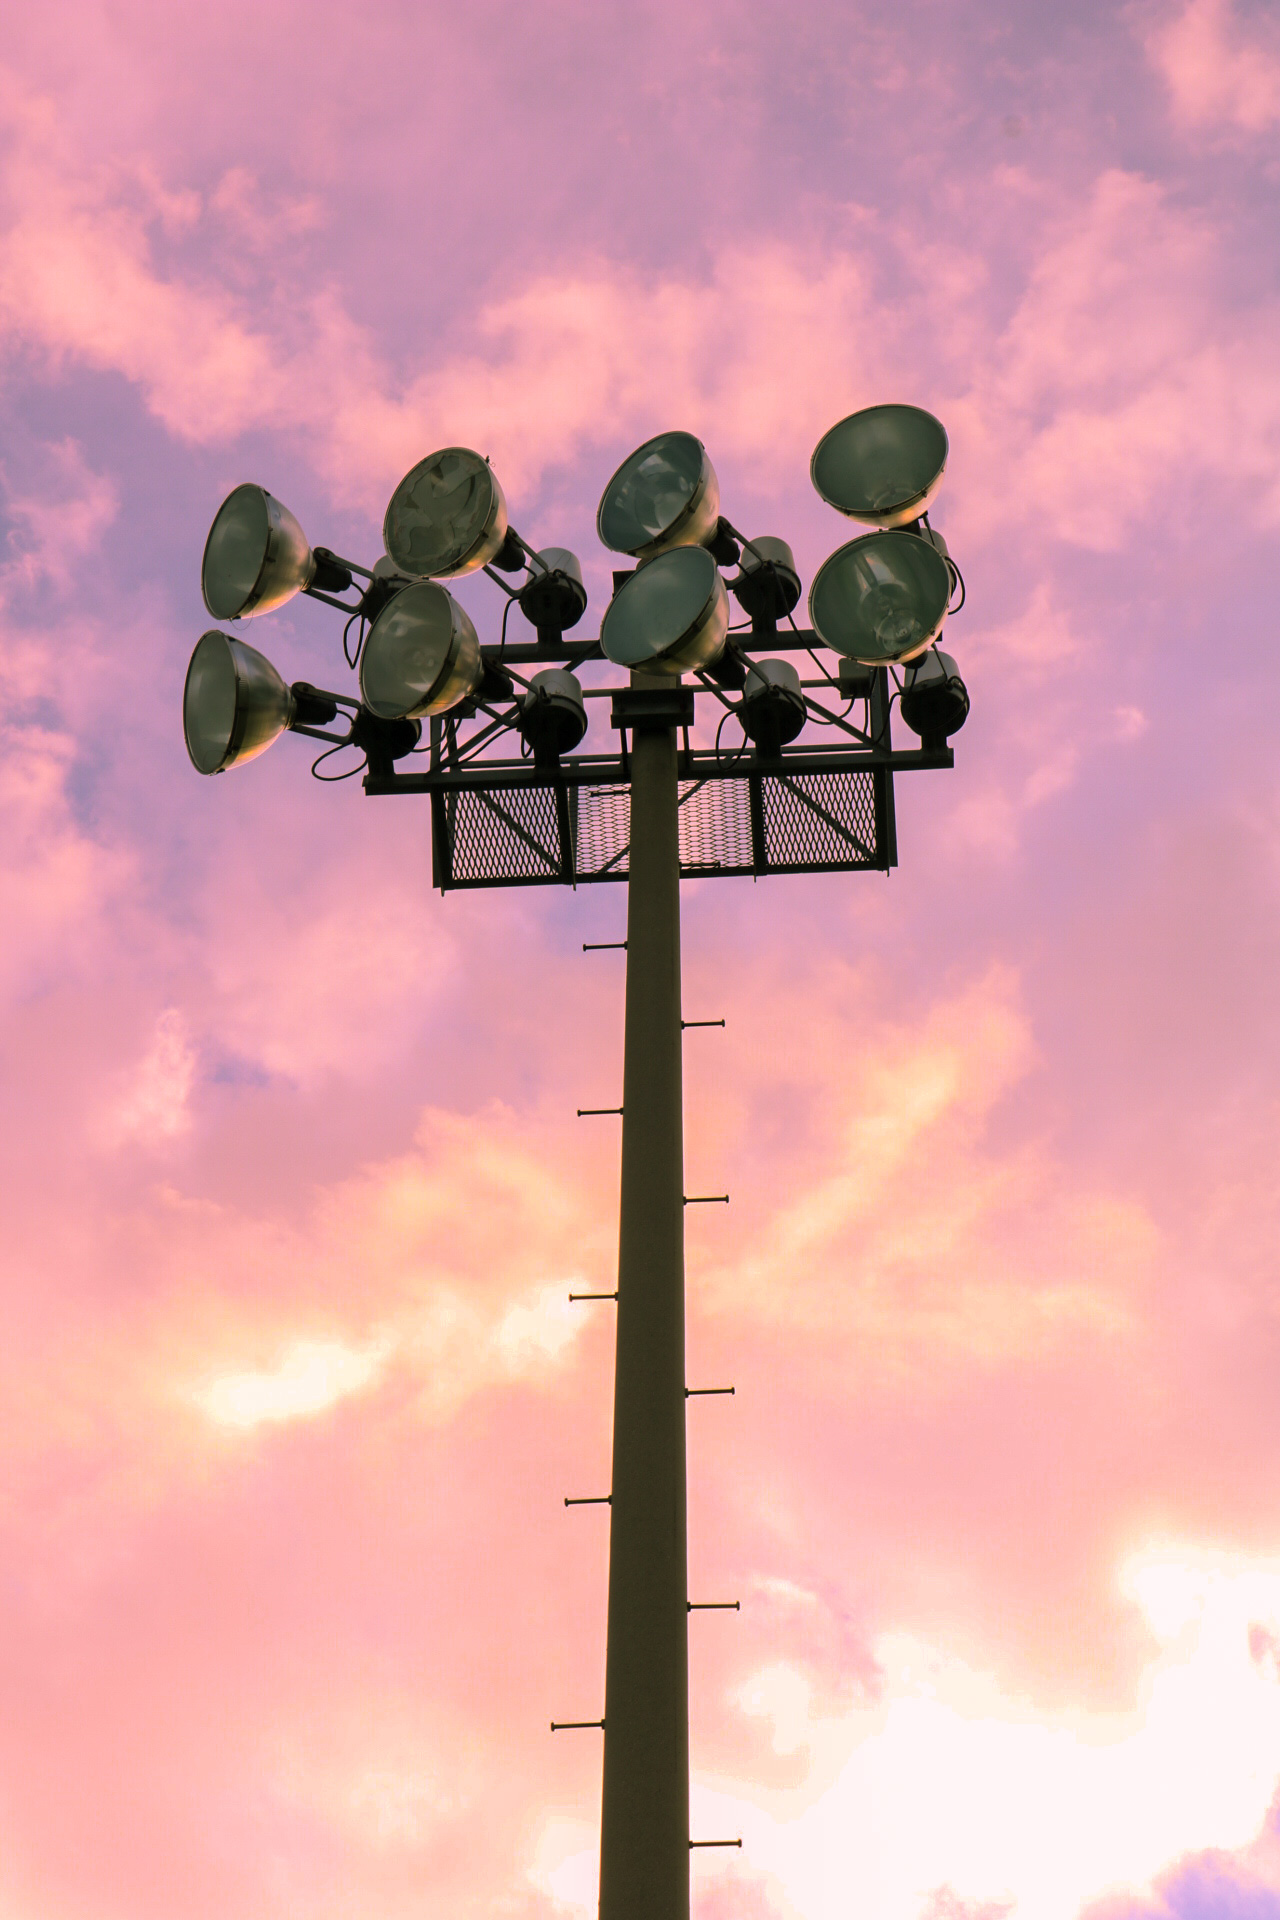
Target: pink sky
[293,1190]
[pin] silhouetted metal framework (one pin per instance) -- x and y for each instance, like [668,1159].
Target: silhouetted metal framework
[503,821]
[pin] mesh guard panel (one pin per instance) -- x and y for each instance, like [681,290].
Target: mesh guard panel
[803,823]
[820,820]
[715,828]
[504,837]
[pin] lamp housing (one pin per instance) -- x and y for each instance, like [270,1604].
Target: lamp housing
[555,598]
[670,616]
[935,700]
[881,598]
[234,703]
[882,465]
[767,586]
[553,715]
[773,710]
[729,670]
[385,582]
[664,495]
[256,556]
[421,656]
[447,517]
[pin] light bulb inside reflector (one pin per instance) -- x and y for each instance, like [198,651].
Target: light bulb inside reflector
[422,655]
[882,465]
[256,556]
[670,616]
[234,703]
[447,517]
[663,495]
[882,598]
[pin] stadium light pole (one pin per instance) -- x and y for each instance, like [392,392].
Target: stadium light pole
[650,813]
[644,1852]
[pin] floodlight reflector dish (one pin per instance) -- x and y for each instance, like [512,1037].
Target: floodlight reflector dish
[447,517]
[670,616]
[881,598]
[882,465]
[663,495]
[422,655]
[256,556]
[234,703]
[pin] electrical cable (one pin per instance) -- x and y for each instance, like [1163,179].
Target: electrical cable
[331,779]
[352,659]
[738,751]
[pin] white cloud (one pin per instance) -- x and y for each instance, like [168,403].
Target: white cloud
[311,1376]
[953,1784]
[955,1797]
[951,1796]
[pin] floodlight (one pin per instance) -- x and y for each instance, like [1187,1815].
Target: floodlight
[421,656]
[554,598]
[935,700]
[447,517]
[233,705]
[663,495]
[882,465]
[256,556]
[553,714]
[669,616]
[883,597]
[767,586]
[773,709]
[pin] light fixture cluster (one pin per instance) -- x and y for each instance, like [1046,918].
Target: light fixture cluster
[881,600]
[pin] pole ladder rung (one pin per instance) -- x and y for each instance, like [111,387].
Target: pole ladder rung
[714,1606]
[695,1393]
[715,1843]
[601,1296]
[701,1023]
[603,946]
[585,1112]
[706,1199]
[566,1726]
[590,1500]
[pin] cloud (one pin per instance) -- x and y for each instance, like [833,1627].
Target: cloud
[155,1107]
[954,1799]
[888,1187]
[1220,73]
[55,527]
[1113,365]
[309,1378]
[57,878]
[1073,416]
